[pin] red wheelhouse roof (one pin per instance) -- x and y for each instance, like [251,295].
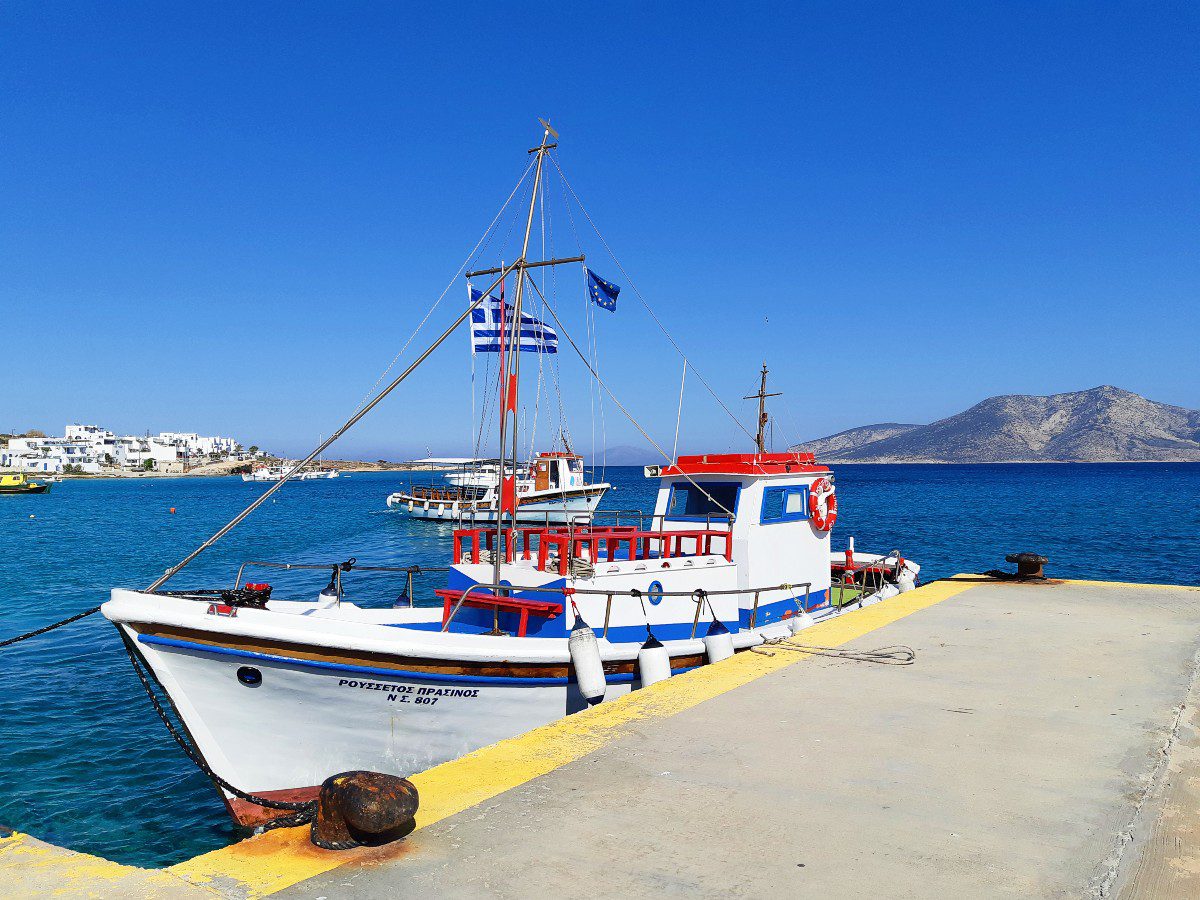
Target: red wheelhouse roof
[742,464]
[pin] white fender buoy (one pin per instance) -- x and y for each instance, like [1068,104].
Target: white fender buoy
[800,621]
[585,657]
[654,663]
[718,642]
[906,580]
[884,593]
[329,594]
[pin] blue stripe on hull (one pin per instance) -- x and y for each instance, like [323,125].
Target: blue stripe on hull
[368,670]
[769,613]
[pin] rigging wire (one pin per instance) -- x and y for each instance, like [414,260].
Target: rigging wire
[346,426]
[679,413]
[490,395]
[642,299]
[594,391]
[620,406]
[466,262]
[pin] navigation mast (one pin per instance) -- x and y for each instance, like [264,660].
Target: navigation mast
[510,357]
[762,396]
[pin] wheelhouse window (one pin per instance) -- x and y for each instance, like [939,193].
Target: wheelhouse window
[784,504]
[704,501]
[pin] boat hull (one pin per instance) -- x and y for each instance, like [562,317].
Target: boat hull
[313,713]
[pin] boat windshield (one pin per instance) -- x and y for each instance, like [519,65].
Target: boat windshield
[692,501]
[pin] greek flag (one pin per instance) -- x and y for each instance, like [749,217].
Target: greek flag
[536,336]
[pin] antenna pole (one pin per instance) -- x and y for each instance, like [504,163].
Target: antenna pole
[762,395]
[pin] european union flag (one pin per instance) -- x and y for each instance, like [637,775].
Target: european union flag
[603,293]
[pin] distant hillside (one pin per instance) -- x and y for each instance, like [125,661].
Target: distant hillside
[1104,424]
[843,442]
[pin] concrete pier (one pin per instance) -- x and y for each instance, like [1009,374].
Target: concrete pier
[1044,743]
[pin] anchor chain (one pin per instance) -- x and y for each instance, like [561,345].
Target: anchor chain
[303,812]
[29,634]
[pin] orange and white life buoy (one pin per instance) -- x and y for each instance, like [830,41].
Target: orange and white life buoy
[822,504]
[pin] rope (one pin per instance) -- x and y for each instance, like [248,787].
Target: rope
[646,305]
[346,426]
[893,655]
[466,262]
[68,621]
[303,812]
[620,406]
[679,413]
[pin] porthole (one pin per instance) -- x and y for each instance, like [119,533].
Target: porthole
[249,676]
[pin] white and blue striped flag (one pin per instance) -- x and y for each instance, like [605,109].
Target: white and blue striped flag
[536,336]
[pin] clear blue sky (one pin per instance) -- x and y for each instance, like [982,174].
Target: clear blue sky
[229,217]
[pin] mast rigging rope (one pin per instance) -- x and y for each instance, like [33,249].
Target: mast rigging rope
[646,305]
[466,262]
[620,406]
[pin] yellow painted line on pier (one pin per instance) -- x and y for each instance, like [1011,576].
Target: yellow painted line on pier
[279,859]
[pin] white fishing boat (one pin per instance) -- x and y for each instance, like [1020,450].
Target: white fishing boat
[532,623]
[279,472]
[551,490]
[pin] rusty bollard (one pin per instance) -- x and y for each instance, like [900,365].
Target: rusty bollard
[1029,568]
[363,808]
[1029,565]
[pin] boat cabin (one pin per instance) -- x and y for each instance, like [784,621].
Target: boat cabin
[556,471]
[762,498]
[730,538]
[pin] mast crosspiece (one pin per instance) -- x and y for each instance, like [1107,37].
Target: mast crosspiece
[762,396]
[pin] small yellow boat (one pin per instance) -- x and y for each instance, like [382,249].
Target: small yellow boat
[20,483]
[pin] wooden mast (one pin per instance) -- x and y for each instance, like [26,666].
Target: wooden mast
[510,373]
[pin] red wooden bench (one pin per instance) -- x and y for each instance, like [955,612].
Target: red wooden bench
[547,608]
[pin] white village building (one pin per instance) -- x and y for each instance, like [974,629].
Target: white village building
[89,449]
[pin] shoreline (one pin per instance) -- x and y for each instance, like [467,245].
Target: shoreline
[343,466]
[348,468]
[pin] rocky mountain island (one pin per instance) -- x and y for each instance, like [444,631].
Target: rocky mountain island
[1104,424]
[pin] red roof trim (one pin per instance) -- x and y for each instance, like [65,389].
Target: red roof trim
[745,464]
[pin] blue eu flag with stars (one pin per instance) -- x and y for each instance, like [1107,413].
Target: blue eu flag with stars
[603,293]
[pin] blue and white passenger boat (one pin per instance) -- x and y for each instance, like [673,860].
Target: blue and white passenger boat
[535,622]
[552,489]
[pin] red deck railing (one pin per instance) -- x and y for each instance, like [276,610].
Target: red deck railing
[603,544]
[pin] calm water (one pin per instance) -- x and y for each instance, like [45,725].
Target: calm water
[85,762]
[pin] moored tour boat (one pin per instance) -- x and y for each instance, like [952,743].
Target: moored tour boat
[279,472]
[552,490]
[533,622]
[279,694]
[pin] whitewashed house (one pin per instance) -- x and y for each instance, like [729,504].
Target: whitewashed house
[90,448]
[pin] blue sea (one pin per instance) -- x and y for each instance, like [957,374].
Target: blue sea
[85,762]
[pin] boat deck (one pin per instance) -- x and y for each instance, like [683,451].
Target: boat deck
[1044,743]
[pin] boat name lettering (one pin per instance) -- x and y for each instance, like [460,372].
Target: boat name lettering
[426,695]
